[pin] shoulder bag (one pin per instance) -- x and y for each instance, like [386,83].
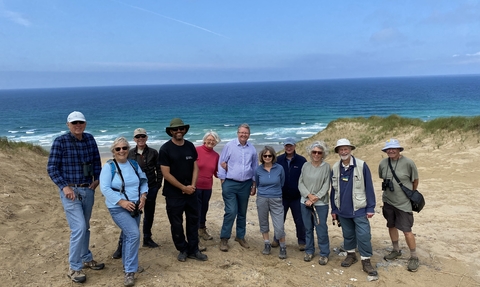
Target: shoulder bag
[416,198]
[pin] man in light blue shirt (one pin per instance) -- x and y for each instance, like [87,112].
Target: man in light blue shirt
[236,170]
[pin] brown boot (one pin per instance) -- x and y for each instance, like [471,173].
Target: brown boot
[367,267]
[223,244]
[203,233]
[351,258]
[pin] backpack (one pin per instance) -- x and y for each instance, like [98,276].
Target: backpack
[113,167]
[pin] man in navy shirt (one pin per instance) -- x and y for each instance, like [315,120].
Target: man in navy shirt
[292,164]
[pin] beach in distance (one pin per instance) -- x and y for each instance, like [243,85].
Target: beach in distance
[274,110]
[34,234]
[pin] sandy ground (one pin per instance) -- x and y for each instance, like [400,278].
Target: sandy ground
[34,234]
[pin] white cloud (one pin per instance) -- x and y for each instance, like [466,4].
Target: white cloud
[14,17]
[477,54]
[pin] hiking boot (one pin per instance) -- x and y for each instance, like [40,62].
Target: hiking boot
[301,247]
[351,258]
[198,256]
[393,255]
[93,265]
[308,257]
[203,233]
[413,264]
[77,276]
[118,253]
[275,244]
[242,242]
[323,260]
[367,267]
[129,279]
[148,242]
[267,249]
[182,256]
[223,245]
[201,247]
[283,253]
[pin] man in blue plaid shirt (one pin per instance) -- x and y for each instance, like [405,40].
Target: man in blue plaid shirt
[74,165]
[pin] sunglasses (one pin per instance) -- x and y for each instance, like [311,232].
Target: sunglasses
[267,155]
[178,129]
[317,152]
[140,136]
[120,148]
[77,122]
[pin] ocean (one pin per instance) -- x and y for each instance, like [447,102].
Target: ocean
[274,110]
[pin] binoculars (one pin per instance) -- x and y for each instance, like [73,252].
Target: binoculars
[136,212]
[387,183]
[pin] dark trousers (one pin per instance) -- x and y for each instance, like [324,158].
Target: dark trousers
[295,207]
[149,212]
[176,206]
[203,196]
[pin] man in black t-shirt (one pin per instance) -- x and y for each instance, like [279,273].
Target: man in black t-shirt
[177,159]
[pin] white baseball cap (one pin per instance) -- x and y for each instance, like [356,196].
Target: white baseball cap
[76,116]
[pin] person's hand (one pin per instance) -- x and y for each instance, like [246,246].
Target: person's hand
[128,205]
[334,216]
[224,165]
[143,198]
[370,215]
[188,189]
[69,193]
[93,185]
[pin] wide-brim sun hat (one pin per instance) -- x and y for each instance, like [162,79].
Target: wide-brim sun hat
[176,123]
[76,116]
[392,143]
[343,142]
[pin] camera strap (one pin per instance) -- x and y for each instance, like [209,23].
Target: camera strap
[393,173]
[123,181]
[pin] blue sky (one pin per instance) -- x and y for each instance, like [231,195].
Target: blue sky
[64,43]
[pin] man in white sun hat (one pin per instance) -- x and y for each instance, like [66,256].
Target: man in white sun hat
[397,208]
[353,203]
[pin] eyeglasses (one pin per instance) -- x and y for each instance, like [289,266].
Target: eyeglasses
[77,122]
[140,136]
[267,155]
[317,152]
[178,129]
[120,148]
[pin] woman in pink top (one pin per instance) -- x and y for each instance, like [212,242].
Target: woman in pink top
[207,168]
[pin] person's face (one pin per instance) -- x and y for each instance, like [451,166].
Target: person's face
[210,142]
[178,133]
[317,154]
[344,152]
[120,152]
[393,153]
[267,157]
[77,128]
[289,149]
[141,140]
[243,135]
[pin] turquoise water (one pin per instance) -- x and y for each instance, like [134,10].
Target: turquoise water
[274,110]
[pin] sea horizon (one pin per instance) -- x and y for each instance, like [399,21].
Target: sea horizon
[274,110]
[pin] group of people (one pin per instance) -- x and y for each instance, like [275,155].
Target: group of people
[131,180]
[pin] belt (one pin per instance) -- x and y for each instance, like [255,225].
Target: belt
[79,185]
[236,180]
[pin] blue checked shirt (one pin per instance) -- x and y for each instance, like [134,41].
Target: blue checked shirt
[67,155]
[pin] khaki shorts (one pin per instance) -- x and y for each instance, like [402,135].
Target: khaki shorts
[397,218]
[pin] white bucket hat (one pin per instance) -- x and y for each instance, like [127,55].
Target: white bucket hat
[392,143]
[343,142]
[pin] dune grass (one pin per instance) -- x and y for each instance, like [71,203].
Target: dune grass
[8,145]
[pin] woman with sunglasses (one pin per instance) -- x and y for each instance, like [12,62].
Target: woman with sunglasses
[314,184]
[270,177]
[124,185]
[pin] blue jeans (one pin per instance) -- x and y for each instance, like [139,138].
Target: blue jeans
[203,196]
[321,229]
[78,213]
[356,232]
[131,237]
[235,197]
